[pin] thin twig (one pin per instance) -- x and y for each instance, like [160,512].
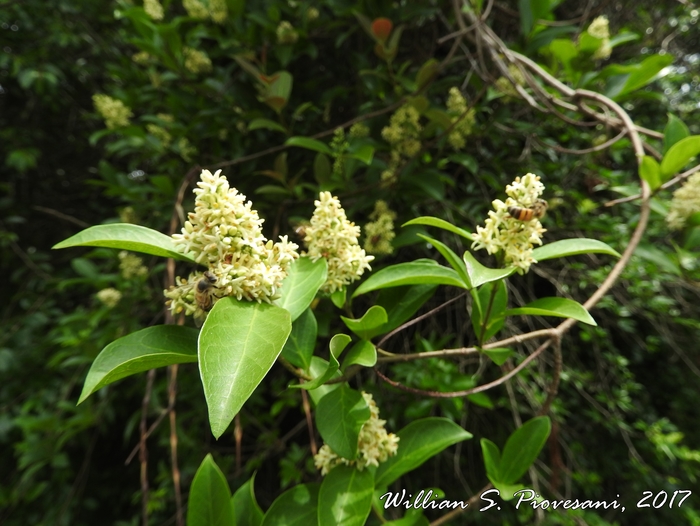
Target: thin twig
[143,452]
[61,215]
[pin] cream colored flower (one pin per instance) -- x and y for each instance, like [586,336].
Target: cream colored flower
[331,236]
[218,11]
[195,9]
[286,34]
[131,266]
[380,232]
[109,297]
[600,27]
[114,112]
[312,14]
[374,445]
[196,61]
[225,234]
[462,116]
[153,9]
[507,235]
[685,203]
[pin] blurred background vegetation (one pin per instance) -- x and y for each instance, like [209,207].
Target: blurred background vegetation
[204,85]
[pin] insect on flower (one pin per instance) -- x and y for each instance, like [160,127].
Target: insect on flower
[537,210]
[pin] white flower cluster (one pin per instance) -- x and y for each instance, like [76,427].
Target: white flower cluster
[153,9]
[600,28]
[380,231]
[331,236]
[109,297]
[374,445]
[196,61]
[225,233]
[686,202]
[217,10]
[458,111]
[131,266]
[506,234]
[114,112]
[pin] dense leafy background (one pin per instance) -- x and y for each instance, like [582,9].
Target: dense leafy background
[626,417]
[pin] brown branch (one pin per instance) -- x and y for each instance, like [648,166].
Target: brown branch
[667,184]
[143,452]
[61,215]
[309,421]
[172,394]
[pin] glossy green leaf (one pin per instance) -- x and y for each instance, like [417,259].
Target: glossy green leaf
[419,272]
[439,223]
[452,258]
[364,153]
[401,303]
[209,503]
[409,520]
[572,247]
[559,307]
[492,459]
[650,171]
[301,342]
[126,236]
[267,124]
[318,367]
[297,506]
[478,274]
[675,131]
[522,448]
[427,72]
[337,345]
[498,355]
[238,344]
[246,511]
[419,441]
[645,72]
[299,288]
[362,353]
[140,351]
[345,497]
[339,417]
[322,168]
[366,326]
[679,155]
[339,296]
[309,144]
[489,307]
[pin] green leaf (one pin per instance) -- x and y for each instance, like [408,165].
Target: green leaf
[318,367]
[440,223]
[643,73]
[675,131]
[322,168]
[339,417]
[650,171]
[345,497]
[559,307]
[362,353]
[492,458]
[246,511]
[277,90]
[338,297]
[527,19]
[401,303]
[478,274]
[679,155]
[126,237]
[366,326]
[238,344]
[665,261]
[338,343]
[452,258]
[419,272]
[299,288]
[309,144]
[140,351]
[522,448]
[427,72]
[498,355]
[572,247]
[301,342]
[297,506]
[364,153]
[267,124]
[419,441]
[209,503]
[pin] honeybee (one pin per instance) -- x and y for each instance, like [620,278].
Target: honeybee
[537,210]
[204,291]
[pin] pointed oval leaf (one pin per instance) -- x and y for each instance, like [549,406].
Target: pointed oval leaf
[266,124]
[362,353]
[522,448]
[309,144]
[650,171]
[478,274]
[339,296]
[679,155]
[300,346]
[246,511]
[126,237]
[364,153]
[675,131]
[238,344]
[297,506]
[338,343]
[140,351]
[572,247]
[419,272]
[318,366]
[440,223]
[452,258]
[401,303]
[345,497]
[419,441]
[299,288]
[498,355]
[209,503]
[559,307]
[372,319]
[492,459]
[339,417]
[645,72]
